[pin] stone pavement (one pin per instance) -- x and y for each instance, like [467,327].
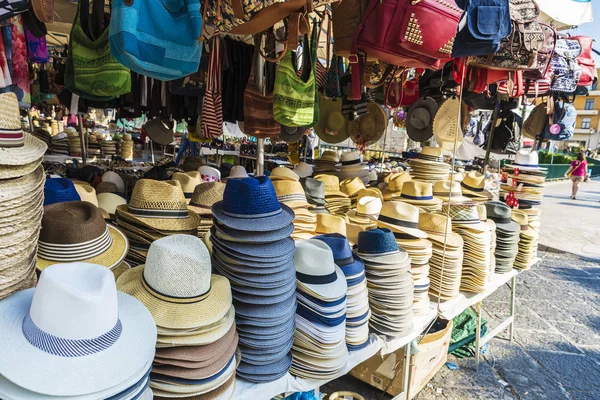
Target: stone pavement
[556,349]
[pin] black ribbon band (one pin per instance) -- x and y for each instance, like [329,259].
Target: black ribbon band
[342,262]
[471,188]
[352,162]
[188,195]
[172,299]
[406,196]
[316,280]
[404,236]
[501,220]
[398,222]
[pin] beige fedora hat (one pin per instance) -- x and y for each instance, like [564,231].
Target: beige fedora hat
[395,182]
[188,181]
[352,186]
[283,174]
[473,185]
[449,192]
[237,171]
[113,177]
[439,228]
[329,156]
[401,217]
[418,193]
[290,193]
[328,223]
[332,185]
[86,192]
[446,127]
[109,202]
[373,192]
[367,210]
[205,195]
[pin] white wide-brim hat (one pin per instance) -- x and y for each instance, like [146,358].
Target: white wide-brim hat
[48,374]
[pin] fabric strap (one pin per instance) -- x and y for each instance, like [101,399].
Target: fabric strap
[316,279]
[501,220]
[11,138]
[471,188]
[398,222]
[351,162]
[77,251]
[173,299]
[406,196]
[154,213]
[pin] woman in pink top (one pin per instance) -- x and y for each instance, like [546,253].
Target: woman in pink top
[578,170]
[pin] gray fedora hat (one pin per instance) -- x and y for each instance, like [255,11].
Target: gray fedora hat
[500,213]
[419,119]
[314,190]
[291,134]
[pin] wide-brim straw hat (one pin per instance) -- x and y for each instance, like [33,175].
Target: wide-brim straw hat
[450,192]
[176,315]
[439,228]
[332,126]
[446,126]
[419,119]
[188,181]
[370,126]
[205,195]
[15,171]
[418,194]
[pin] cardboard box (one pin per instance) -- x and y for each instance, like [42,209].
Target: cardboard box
[387,373]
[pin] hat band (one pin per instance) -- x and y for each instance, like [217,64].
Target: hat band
[501,220]
[154,213]
[316,279]
[406,196]
[173,299]
[68,347]
[252,216]
[527,165]
[399,235]
[291,197]
[524,227]
[394,221]
[342,262]
[200,205]
[471,188]
[351,162]
[188,195]
[12,138]
[77,251]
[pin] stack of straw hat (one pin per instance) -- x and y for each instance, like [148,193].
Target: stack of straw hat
[252,247]
[21,199]
[315,195]
[60,144]
[74,141]
[528,241]
[201,202]
[491,227]
[351,187]
[429,166]
[403,220]
[328,223]
[326,164]
[337,201]
[358,311]
[507,235]
[156,209]
[290,192]
[86,339]
[109,148]
[319,348]
[351,166]
[126,147]
[391,287]
[194,316]
[59,190]
[364,217]
[473,186]
[445,264]
[188,181]
[420,194]
[393,185]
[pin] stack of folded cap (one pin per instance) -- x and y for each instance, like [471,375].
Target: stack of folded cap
[188,182]
[74,141]
[209,174]
[429,166]
[351,166]
[109,147]
[445,264]
[420,194]
[194,318]
[87,340]
[113,181]
[303,170]
[337,201]
[60,144]
[21,199]
[292,194]
[59,190]
[507,235]
[477,243]
[77,231]
[393,185]
[319,348]
[203,198]
[528,240]
[252,247]
[525,180]
[363,218]
[126,147]
[315,195]
[491,227]
[391,287]
[358,311]
[403,220]
[156,209]
[108,203]
[473,186]
[328,223]
[351,187]
[326,164]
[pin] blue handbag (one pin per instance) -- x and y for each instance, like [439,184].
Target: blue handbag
[482,27]
[157,38]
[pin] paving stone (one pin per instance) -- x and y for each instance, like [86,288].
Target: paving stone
[545,341]
[579,334]
[573,371]
[584,395]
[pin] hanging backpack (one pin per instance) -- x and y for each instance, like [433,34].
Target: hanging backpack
[91,72]
[160,39]
[565,69]
[505,138]
[212,105]
[485,23]
[535,123]
[560,124]
[588,66]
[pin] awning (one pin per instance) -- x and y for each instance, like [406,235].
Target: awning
[565,14]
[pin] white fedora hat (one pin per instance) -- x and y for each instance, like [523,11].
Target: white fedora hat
[74,334]
[316,271]
[209,174]
[237,171]
[113,177]
[527,160]
[109,202]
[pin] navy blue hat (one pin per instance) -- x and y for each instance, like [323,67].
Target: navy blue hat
[380,246]
[349,263]
[250,204]
[59,190]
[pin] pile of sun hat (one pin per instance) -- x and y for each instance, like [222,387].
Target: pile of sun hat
[445,264]
[328,223]
[111,177]
[188,181]
[473,186]
[59,190]
[420,194]
[21,199]
[507,235]
[326,164]
[491,227]
[126,147]
[337,201]
[252,247]
[319,350]
[86,339]
[528,240]
[429,166]
[477,241]
[358,311]
[351,166]
[391,287]
[291,193]
[204,196]
[194,318]
[351,187]
[303,170]
[156,209]
[525,179]
[209,174]
[76,231]
[403,220]
[393,185]
[364,217]
[315,195]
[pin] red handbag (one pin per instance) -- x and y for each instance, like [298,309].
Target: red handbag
[585,60]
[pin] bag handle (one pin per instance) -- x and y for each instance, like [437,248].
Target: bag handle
[258,44]
[394,90]
[298,25]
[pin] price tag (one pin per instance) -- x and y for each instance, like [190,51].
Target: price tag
[520,187]
[516,172]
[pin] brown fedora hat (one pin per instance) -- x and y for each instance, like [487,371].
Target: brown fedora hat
[159,131]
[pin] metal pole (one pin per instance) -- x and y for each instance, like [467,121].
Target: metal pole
[260,157]
[383,148]
[82,139]
[513,301]
[477,335]
[551,152]
[407,371]
[491,137]
[151,150]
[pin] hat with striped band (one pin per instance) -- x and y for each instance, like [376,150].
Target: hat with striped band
[367,210]
[176,284]
[205,196]
[77,231]
[465,216]
[85,337]
[159,205]
[401,217]
[473,185]
[418,194]
[291,193]
[16,147]
[188,182]
[449,192]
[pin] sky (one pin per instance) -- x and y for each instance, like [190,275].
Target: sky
[591,29]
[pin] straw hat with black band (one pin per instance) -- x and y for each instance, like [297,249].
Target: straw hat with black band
[473,186]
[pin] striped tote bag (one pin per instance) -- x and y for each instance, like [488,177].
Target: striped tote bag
[212,105]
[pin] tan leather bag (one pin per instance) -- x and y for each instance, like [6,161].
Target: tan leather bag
[347,15]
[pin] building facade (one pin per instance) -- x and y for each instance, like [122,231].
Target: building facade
[587,127]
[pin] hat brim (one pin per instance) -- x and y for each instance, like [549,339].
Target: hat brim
[335,290]
[74,376]
[274,222]
[189,223]
[175,315]
[409,231]
[508,226]
[111,258]
[201,338]
[452,239]
[433,202]
[32,150]
[292,137]
[522,168]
